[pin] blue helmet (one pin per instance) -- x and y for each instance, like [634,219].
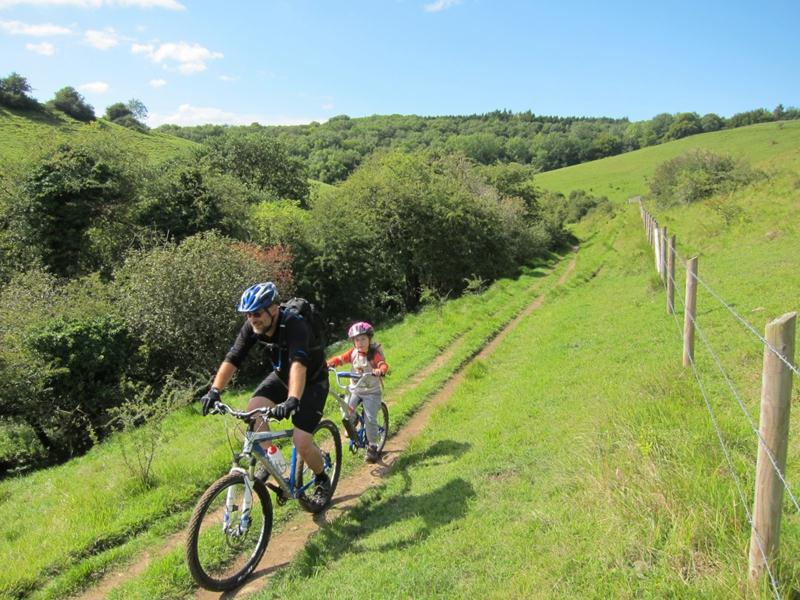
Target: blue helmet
[258,296]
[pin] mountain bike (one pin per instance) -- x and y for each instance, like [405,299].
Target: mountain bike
[232,522]
[353,419]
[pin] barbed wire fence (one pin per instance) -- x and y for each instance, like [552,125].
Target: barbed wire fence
[777,377]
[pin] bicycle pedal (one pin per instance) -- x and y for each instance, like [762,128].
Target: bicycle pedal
[349,429]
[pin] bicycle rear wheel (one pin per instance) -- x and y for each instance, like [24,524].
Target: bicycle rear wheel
[383,425]
[226,539]
[326,438]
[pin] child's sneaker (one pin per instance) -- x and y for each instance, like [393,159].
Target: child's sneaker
[373,455]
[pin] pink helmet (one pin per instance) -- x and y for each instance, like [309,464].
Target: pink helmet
[362,327]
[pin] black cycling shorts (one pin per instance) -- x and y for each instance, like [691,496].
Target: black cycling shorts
[308,416]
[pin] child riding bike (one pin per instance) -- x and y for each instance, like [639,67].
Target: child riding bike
[367,358]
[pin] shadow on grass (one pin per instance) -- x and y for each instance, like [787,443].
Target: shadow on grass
[41,115]
[443,505]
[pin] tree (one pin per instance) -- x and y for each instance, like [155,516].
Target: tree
[711,122]
[481,147]
[71,206]
[260,161]
[128,115]
[69,101]
[14,91]
[684,124]
[182,199]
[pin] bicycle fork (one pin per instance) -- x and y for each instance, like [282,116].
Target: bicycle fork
[231,508]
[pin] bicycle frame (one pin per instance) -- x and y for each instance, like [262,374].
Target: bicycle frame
[359,440]
[251,449]
[343,398]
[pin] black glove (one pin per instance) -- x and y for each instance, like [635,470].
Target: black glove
[211,398]
[285,409]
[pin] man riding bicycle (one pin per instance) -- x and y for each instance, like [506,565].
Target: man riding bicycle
[297,386]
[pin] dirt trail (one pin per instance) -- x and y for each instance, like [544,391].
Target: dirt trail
[284,546]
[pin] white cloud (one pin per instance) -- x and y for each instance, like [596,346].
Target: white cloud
[45,48]
[157,83]
[142,48]
[189,58]
[95,87]
[440,5]
[102,40]
[167,4]
[43,29]
[328,106]
[201,115]
[228,78]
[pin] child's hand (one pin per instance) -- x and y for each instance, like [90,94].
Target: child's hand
[377,372]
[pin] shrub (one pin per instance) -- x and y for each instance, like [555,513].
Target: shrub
[70,209]
[141,418]
[61,358]
[180,299]
[69,101]
[84,361]
[696,175]
[259,161]
[580,202]
[14,90]
[128,115]
[181,199]
[405,223]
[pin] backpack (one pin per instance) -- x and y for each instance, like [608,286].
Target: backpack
[310,313]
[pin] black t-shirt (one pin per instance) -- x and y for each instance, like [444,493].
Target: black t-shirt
[291,342]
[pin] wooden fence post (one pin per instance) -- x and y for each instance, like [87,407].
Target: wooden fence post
[776,398]
[690,310]
[663,254]
[671,277]
[656,252]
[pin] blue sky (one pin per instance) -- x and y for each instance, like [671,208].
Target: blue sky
[286,62]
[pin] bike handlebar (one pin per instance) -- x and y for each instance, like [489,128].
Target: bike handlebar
[223,409]
[349,375]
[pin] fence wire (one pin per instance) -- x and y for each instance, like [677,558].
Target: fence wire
[762,442]
[742,320]
[729,460]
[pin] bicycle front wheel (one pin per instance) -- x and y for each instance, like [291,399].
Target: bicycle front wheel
[326,438]
[383,425]
[228,532]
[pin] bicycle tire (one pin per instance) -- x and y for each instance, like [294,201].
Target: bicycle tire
[213,559]
[383,424]
[326,437]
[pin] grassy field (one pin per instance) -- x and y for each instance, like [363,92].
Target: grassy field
[25,135]
[766,146]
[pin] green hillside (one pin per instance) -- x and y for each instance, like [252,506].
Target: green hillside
[25,135]
[578,460]
[619,177]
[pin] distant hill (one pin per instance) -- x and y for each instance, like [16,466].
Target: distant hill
[332,150]
[764,146]
[26,134]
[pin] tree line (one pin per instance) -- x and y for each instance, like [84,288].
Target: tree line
[332,150]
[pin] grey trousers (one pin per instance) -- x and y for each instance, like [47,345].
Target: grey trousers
[372,406]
